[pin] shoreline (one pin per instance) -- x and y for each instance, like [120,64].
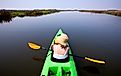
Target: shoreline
[110,12]
[37,12]
[7,15]
[22,13]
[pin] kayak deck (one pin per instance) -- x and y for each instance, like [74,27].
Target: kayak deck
[51,68]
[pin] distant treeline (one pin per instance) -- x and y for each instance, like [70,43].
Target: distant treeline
[111,12]
[7,15]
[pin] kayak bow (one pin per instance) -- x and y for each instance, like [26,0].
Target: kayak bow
[51,68]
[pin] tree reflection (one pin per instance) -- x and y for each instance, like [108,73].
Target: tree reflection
[5,16]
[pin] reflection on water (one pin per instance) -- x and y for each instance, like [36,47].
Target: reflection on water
[91,69]
[5,19]
[5,16]
[92,35]
[39,59]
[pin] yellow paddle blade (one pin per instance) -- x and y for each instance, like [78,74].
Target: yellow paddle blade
[34,46]
[96,61]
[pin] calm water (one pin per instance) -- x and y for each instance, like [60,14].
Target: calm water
[93,35]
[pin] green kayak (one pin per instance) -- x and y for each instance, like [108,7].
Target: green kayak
[51,68]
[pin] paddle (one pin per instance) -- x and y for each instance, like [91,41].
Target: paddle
[90,59]
[38,47]
[35,46]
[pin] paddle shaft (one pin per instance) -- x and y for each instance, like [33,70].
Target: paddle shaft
[38,47]
[89,59]
[76,56]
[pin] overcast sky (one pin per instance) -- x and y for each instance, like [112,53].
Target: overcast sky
[60,4]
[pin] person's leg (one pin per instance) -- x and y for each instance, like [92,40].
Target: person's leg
[65,60]
[60,60]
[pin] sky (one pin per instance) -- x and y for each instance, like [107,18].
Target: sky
[60,4]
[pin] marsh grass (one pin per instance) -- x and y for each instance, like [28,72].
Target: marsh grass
[111,12]
[7,15]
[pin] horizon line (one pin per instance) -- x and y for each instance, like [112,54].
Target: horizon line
[56,9]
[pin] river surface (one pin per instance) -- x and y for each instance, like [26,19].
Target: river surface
[94,35]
